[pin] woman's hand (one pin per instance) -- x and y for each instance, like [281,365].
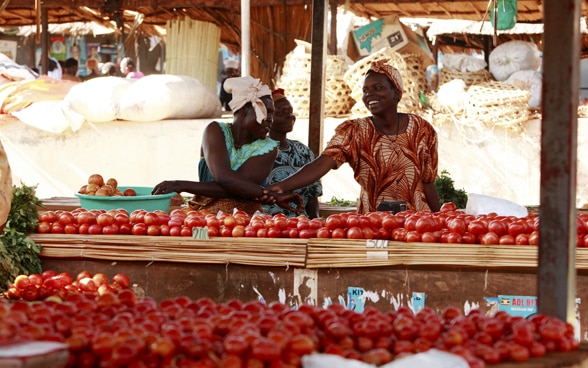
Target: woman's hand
[165,187]
[284,200]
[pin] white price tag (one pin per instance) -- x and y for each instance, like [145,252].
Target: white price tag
[376,249]
[200,233]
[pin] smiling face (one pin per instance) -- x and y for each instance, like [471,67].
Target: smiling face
[257,130]
[379,94]
[283,117]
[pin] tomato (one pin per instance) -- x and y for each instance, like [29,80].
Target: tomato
[262,233]
[339,233]
[490,238]
[66,218]
[468,238]
[429,237]
[43,227]
[125,229]
[175,230]
[522,239]
[110,230]
[448,207]
[303,225]
[139,228]
[391,222]
[399,234]
[323,232]
[104,219]
[506,240]
[424,224]
[238,231]
[413,236]
[477,227]
[48,216]
[353,221]
[274,232]
[498,227]
[457,225]
[354,232]
[70,229]
[410,222]
[454,238]
[151,218]
[57,228]
[187,231]
[121,279]
[534,238]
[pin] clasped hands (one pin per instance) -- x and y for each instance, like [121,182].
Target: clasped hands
[273,194]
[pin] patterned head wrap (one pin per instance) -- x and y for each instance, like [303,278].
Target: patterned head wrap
[248,89]
[382,67]
[278,94]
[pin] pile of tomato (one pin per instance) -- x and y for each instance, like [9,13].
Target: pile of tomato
[446,226]
[115,328]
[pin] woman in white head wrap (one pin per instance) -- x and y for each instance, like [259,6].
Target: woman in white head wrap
[236,157]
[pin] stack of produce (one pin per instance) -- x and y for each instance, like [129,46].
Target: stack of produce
[118,329]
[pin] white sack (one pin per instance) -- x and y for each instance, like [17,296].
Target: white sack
[432,358]
[479,204]
[46,115]
[463,62]
[513,56]
[453,94]
[160,97]
[97,99]
[530,80]
[5,186]
[317,360]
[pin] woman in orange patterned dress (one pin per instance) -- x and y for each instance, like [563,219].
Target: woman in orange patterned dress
[393,155]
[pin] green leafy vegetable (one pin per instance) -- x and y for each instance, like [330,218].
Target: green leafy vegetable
[447,192]
[18,253]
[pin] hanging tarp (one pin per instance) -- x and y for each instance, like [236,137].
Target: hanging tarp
[505,12]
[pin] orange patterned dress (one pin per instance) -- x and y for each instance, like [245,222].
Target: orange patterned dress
[387,167]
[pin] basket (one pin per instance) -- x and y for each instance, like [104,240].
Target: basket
[470,78]
[497,104]
[142,201]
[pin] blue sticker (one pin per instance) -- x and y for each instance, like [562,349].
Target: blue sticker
[418,301]
[355,299]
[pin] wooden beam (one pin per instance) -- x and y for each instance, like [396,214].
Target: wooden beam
[317,75]
[556,282]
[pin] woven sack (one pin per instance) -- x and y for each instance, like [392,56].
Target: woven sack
[470,78]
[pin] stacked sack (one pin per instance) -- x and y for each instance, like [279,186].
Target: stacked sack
[295,80]
[517,63]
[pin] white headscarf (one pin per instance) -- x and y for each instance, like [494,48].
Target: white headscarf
[248,89]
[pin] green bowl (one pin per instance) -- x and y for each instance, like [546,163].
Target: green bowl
[142,201]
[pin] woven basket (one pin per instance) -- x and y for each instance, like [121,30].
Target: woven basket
[297,64]
[338,102]
[416,76]
[497,104]
[470,78]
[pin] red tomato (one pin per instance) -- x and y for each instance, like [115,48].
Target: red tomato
[498,227]
[339,233]
[457,225]
[454,238]
[151,218]
[522,239]
[410,222]
[187,231]
[490,238]
[109,230]
[413,236]
[66,218]
[425,224]
[70,228]
[534,238]
[353,221]
[262,233]
[175,231]
[429,237]
[274,232]
[516,227]
[139,228]
[391,222]
[238,231]
[125,229]
[477,227]
[506,240]
[57,228]
[104,219]
[399,234]
[354,232]
[448,207]
[323,232]
[367,233]
[468,238]
[43,227]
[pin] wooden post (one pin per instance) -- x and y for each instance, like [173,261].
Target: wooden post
[333,32]
[245,38]
[317,73]
[559,130]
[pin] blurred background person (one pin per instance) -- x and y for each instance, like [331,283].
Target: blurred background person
[232,70]
[70,70]
[128,69]
[292,155]
[92,69]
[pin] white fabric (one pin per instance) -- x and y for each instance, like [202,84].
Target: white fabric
[248,89]
[47,116]
[531,80]
[159,97]
[453,95]
[513,56]
[98,99]
[480,204]
[463,62]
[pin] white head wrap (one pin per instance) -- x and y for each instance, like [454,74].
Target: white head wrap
[248,89]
